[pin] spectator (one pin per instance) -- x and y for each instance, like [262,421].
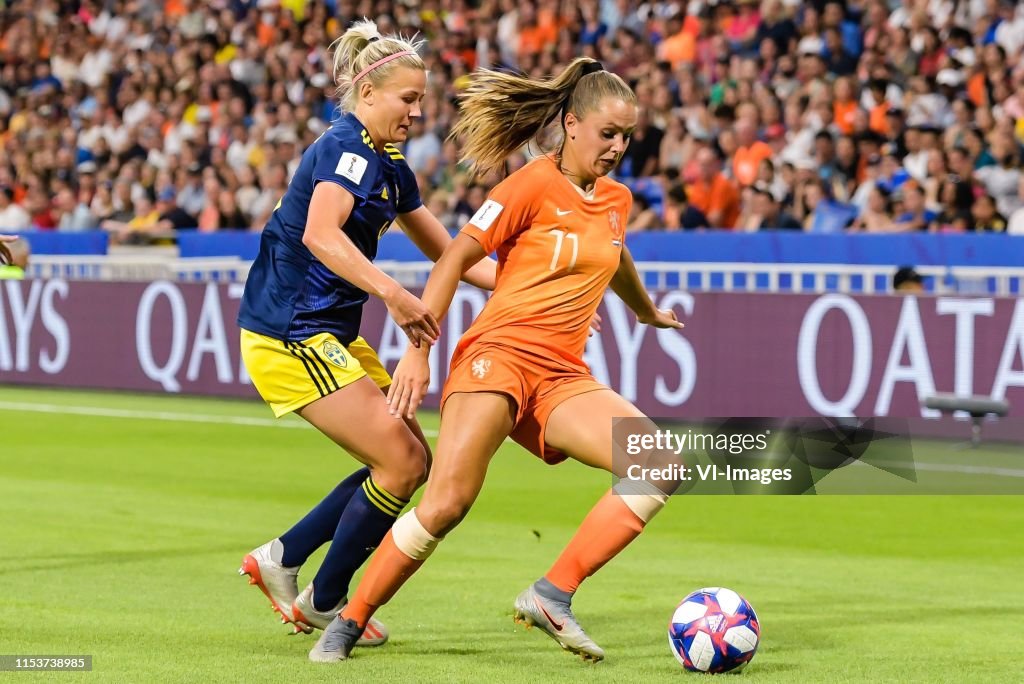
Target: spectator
[210,219]
[907,281]
[12,216]
[102,204]
[955,203]
[749,153]
[1001,179]
[1015,224]
[75,215]
[229,215]
[469,204]
[680,214]
[641,157]
[423,149]
[876,216]
[192,197]
[767,213]
[171,217]
[712,193]
[986,218]
[915,216]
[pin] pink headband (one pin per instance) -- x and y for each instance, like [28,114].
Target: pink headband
[381,62]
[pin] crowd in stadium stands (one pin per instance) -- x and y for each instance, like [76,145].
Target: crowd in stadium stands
[146,116]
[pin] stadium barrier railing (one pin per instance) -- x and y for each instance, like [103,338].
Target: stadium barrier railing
[657,275]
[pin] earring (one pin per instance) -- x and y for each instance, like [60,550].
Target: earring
[573,137]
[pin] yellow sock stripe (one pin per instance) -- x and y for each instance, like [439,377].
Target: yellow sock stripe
[391,498]
[378,502]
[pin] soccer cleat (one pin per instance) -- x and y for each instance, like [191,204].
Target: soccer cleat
[557,620]
[337,641]
[280,584]
[307,618]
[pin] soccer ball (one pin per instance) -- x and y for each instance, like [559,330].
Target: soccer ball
[714,630]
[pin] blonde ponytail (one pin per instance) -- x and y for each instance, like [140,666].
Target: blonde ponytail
[502,112]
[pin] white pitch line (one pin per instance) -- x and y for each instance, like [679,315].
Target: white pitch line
[105,412]
[171,416]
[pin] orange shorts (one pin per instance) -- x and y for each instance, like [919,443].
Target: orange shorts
[535,383]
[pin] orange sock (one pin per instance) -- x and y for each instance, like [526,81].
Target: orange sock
[389,569]
[608,528]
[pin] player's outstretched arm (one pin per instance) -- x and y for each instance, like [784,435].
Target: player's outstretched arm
[412,375]
[627,284]
[330,207]
[430,236]
[462,254]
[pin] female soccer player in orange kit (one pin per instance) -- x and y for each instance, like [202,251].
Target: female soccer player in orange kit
[557,226]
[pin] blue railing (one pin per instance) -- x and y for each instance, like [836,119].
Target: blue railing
[688,247]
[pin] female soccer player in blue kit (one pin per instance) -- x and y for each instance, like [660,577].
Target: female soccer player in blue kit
[300,319]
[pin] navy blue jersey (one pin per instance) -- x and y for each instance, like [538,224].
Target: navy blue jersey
[289,294]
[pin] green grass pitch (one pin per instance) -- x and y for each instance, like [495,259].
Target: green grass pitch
[122,525]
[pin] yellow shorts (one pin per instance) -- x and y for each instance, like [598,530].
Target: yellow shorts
[289,375]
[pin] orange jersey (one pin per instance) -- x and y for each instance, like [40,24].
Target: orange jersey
[557,253]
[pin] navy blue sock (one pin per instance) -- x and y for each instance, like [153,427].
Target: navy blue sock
[317,528]
[367,518]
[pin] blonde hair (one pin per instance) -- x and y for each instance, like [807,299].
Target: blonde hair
[359,47]
[502,112]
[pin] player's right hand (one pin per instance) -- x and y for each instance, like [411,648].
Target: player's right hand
[413,317]
[409,384]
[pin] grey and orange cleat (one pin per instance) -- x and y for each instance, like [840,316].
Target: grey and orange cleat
[555,618]
[336,642]
[307,618]
[280,584]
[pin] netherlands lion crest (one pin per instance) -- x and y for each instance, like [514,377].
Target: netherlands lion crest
[335,355]
[480,368]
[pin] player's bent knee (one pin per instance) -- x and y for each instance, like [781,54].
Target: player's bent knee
[403,467]
[441,517]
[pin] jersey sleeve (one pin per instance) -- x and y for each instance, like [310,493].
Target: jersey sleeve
[508,211]
[350,164]
[408,190]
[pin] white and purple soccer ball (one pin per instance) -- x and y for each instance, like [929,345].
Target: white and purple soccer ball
[714,630]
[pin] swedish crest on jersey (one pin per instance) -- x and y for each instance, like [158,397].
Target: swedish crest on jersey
[335,354]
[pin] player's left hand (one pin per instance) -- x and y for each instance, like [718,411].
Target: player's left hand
[595,325]
[410,383]
[662,318]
